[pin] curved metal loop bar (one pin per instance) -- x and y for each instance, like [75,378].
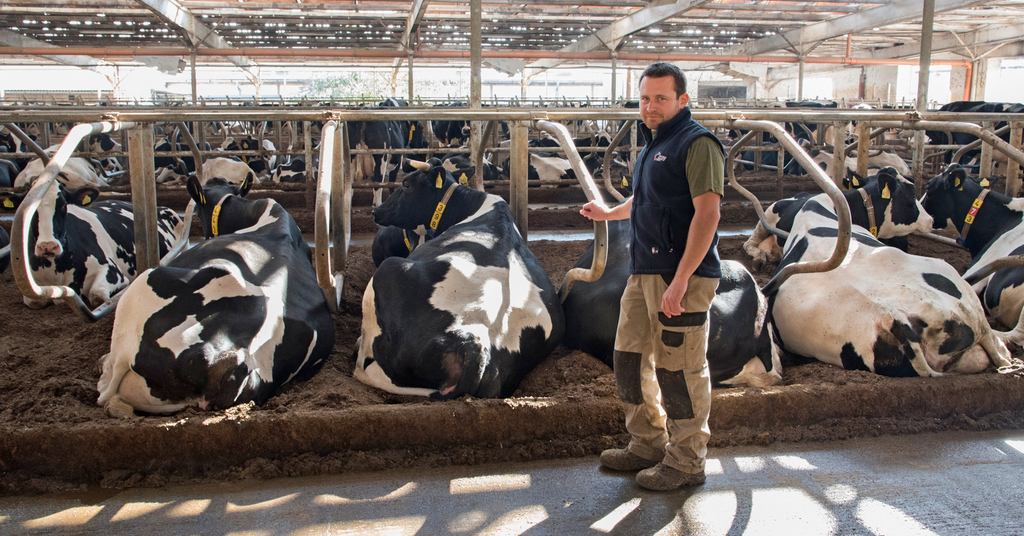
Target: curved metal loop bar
[975,144]
[826,184]
[731,157]
[986,136]
[973,277]
[609,154]
[597,266]
[30,204]
[330,282]
[872,135]
[196,155]
[32,145]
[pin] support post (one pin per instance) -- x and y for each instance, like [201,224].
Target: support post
[839,154]
[519,159]
[863,144]
[1013,168]
[142,170]
[985,167]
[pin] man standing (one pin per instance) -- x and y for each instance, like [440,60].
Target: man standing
[661,340]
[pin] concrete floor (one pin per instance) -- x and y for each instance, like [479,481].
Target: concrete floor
[955,483]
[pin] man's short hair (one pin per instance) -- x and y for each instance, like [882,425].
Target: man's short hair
[662,69]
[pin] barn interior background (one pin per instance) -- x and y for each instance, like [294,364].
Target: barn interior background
[136,64]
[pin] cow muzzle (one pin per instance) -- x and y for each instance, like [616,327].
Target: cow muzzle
[48,249]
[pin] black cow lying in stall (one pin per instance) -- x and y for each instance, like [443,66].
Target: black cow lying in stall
[892,198]
[470,312]
[227,322]
[992,230]
[740,348]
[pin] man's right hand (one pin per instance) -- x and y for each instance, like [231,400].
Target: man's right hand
[595,211]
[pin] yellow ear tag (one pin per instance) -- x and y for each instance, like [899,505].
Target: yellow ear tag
[984,183]
[8,203]
[885,192]
[958,185]
[439,180]
[86,200]
[412,128]
[625,183]
[464,180]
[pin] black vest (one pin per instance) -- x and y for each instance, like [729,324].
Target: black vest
[662,204]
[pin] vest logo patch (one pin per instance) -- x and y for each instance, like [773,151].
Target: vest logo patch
[658,157]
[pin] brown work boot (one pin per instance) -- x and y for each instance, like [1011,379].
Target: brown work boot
[624,460]
[664,478]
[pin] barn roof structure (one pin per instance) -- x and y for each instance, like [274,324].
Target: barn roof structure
[516,35]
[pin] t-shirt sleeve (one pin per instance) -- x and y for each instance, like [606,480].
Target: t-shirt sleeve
[705,167]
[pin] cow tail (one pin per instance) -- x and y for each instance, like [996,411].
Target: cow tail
[110,379]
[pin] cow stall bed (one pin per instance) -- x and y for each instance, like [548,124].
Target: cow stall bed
[54,436]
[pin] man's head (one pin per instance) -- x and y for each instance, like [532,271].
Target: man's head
[662,93]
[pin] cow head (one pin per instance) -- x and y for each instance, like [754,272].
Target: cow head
[49,224]
[948,196]
[419,199]
[904,214]
[210,199]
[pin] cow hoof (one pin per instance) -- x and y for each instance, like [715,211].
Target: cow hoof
[36,304]
[119,409]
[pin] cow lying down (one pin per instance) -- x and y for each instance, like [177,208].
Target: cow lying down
[469,312]
[740,348]
[84,244]
[991,230]
[227,322]
[894,213]
[882,310]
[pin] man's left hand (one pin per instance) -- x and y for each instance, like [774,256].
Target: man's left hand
[672,299]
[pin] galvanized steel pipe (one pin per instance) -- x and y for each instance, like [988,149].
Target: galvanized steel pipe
[597,266]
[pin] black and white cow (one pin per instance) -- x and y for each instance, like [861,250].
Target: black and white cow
[882,310]
[740,348]
[294,171]
[262,168]
[936,137]
[373,135]
[990,231]
[391,241]
[76,173]
[895,210]
[87,246]
[451,132]
[228,321]
[230,168]
[469,312]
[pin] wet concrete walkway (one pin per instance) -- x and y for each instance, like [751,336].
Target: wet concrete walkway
[955,483]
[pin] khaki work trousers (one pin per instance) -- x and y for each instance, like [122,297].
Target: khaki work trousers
[661,371]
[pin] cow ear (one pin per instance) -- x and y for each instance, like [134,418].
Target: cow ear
[246,184]
[959,175]
[11,201]
[84,196]
[195,190]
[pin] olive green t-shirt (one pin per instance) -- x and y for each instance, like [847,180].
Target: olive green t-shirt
[705,167]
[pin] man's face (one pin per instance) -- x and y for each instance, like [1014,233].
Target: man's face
[658,100]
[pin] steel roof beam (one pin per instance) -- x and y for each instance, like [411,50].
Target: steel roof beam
[612,35]
[196,32]
[416,12]
[13,39]
[892,13]
[949,43]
